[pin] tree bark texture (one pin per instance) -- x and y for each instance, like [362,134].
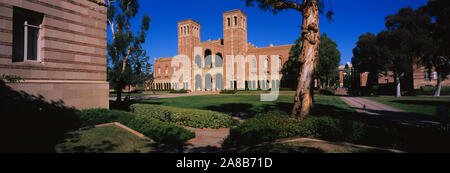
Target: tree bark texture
[303,101]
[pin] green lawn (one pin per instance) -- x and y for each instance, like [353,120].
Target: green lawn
[107,139]
[419,105]
[245,103]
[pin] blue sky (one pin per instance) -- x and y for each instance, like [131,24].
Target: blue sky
[352,18]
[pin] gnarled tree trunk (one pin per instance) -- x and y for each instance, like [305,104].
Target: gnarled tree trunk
[303,101]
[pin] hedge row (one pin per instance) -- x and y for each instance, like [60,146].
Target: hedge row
[159,131]
[269,127]
[185,117]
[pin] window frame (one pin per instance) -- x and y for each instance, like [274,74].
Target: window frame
[23,20]
[25,42]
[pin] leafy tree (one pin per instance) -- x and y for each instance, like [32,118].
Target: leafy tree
[367,58]
[292,67]
[438,55]
[406,39]
[125,43]
[310,9]
[143,69]
[328,63]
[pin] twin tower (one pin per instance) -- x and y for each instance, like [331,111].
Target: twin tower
[218,72]
[234,35]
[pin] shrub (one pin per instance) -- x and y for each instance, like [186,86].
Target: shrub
[92,117]
[327,92]
[286,89]
[228,92]
[178,92]
[269,127]
[260,129]
[157,130]
[185,117]
[160,131]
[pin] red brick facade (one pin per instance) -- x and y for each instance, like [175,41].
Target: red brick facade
[215,69]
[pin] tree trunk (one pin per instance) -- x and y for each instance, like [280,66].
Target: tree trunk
[303,101]
[119,96]
[437,93]
[397,84]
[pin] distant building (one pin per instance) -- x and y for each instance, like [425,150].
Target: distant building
[213,70]
[58,47]
[419,78]
[344,70]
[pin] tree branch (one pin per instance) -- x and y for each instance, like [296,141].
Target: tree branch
[126,59]
[280,5]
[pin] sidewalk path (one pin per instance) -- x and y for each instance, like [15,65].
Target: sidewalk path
[386,113]
[206,140]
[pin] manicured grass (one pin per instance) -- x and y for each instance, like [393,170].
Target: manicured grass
[106,139]
[244,103]
[419,105]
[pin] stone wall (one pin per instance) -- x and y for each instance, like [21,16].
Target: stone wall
[72,61]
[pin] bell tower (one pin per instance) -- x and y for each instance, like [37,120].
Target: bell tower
[235,32]
[188,37]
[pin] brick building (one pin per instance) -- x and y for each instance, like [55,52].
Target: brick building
[211,68]
[419,77]
[58,47]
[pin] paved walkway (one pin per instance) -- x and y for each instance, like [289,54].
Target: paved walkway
[206,140]
[386,113]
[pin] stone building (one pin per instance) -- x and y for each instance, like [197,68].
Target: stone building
[58,47]
[212,69]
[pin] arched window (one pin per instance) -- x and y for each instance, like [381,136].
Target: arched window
[198,61]
[235,20]
[229,22]
[280,61]
[198,82]
[188,29]
[208,58]
[266,63]
[218,60]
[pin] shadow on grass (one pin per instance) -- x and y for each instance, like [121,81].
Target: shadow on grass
[405,131]
[232,107]
[277,148]
[332,123]
[29,123]
[425,102]
[104,147]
